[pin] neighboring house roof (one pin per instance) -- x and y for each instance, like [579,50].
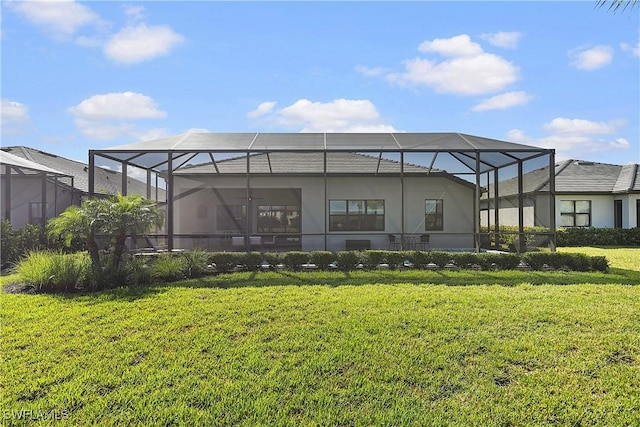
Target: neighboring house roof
[106,181]
[26,166]
[280,163]
[577,176]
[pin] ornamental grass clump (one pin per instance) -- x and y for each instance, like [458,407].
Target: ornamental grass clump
[54,271]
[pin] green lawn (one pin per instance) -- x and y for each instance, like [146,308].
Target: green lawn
[368,348]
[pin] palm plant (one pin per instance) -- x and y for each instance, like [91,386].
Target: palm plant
[616,5]
[117,217]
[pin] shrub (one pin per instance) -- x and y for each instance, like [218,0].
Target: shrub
[226,261]
[593,236]
[599,263]
[294,259]
[9,245]
[18,243]
[509,237]
[322,259]
[169,267]
[502,261]
[195,262]
[347,260]
[252,260]
[54,271]
[139,270]
[418,258]
[396,257]
[273,258]
[439,258]
[375,257]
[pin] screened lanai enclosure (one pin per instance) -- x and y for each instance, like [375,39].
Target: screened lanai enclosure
[32,193]
[340,191]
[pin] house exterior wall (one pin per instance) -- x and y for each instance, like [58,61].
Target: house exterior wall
[195,213]
[26,190]
[602,210]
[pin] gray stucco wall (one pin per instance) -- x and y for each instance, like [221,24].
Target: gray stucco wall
[196,212]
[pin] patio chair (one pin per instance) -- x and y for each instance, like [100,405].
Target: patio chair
[394,243]
[423,242]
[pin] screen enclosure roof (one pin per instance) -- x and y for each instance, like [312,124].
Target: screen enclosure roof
[492,153]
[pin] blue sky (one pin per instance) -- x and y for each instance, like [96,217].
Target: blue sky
[84,75]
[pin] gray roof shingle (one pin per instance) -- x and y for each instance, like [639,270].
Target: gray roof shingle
[578,176]
[106,181]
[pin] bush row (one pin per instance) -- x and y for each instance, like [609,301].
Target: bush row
[59,272]
[598,236]
[372,259]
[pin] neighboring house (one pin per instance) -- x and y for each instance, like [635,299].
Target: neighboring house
[323,191]
[41,185]
[587,194]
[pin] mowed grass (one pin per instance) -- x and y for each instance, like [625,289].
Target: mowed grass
[335,349]
[619,258]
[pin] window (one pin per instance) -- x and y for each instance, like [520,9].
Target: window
[356,215]
[278,219]
[433,214]
[575,213]
[35,212]
[231,217]
[638,213]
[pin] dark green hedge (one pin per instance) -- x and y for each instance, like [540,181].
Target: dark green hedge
[598,236]
[351,260]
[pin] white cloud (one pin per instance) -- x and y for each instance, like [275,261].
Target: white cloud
[14,117]
[455,46]
[635,51]
[103,131]
[63,19]
[120,105]
[574,138]
[141,43]
[264,108]
[503,101]
[14,112]
[504,39]
[469,71]
[564,126]
[339,115]
[370,72]
[110,115]
[134,13]
[59,18]
[590,59]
